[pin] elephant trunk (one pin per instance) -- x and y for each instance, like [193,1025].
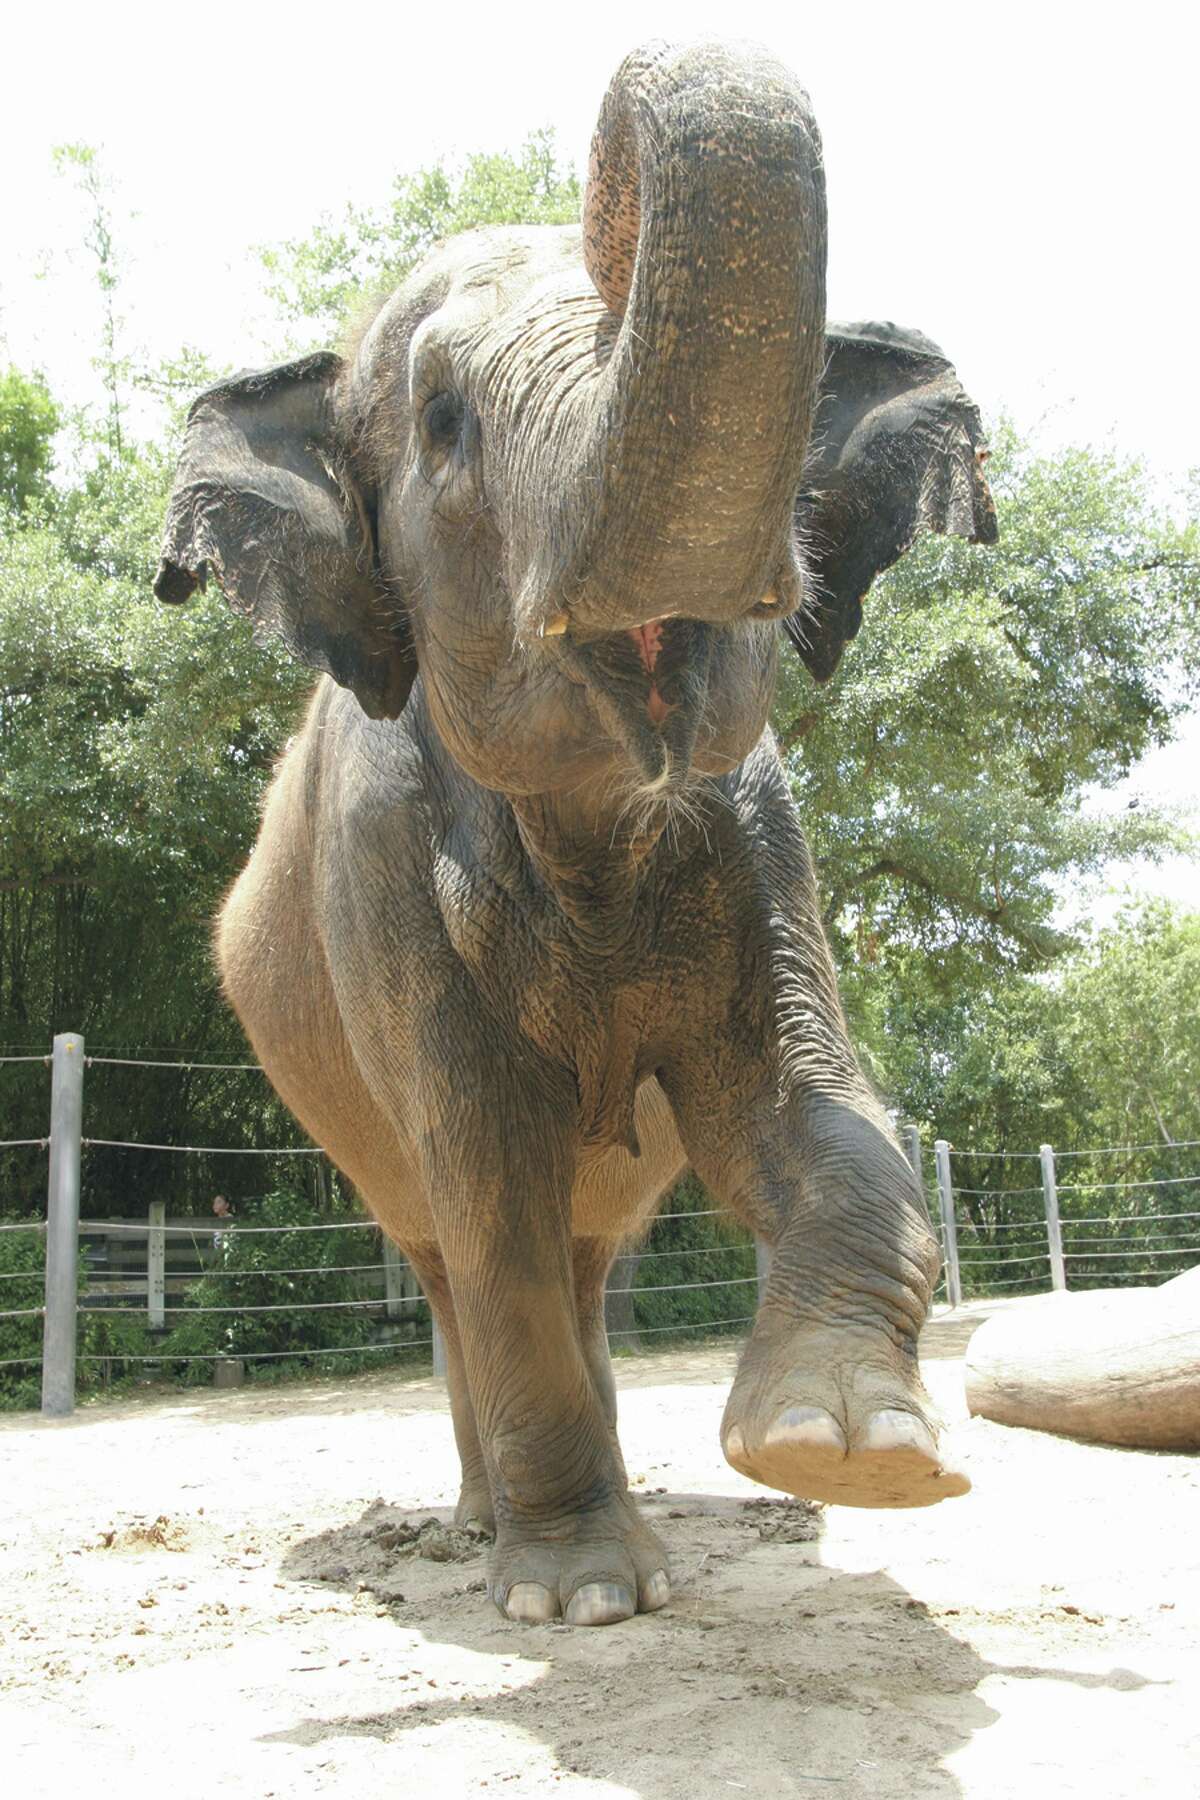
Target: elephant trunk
[704,233]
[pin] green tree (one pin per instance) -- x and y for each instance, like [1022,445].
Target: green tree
[29,419]
[134,749]
[317,281]
[1099,1054]
[941,773]
[1130,1023]
[82,163]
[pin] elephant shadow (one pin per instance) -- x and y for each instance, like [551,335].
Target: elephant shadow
[768,1669]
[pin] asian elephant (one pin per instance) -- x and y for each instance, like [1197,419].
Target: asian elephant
[531,922]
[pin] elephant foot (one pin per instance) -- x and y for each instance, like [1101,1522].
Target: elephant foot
[475,1507]
[845,1431]
[593,1568]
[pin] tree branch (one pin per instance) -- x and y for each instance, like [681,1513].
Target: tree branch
[992,915]
[798,729]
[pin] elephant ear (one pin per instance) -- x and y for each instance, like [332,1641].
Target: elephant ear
[263,499]
[897,450]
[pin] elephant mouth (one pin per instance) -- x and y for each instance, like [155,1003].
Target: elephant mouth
[648,642]
[648,687]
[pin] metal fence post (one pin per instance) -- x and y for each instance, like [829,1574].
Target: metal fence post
[1058,1268]
[156,1266]
[62,1227]
[941,1156]
[762,1267]
[912,1149]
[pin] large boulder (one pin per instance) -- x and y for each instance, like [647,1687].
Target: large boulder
[1114,1366]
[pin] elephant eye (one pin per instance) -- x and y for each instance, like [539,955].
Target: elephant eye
[442,419]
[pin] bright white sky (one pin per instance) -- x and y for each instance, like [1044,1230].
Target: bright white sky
[1019,181]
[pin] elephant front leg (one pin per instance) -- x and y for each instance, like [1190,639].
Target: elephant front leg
[828,1400]
[569,1541]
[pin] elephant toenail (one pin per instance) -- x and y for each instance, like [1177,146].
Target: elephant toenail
[655,1592]
[735,1444]
[894,1430]
[808,1426]
[600,1603]
[530,1602]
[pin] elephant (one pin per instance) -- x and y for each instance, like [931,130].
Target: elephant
[531,924]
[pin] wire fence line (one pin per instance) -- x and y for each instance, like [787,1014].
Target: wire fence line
[993,1238]
[203,1149]
[116,1226]
[1097,1187]
[134,1062]
[1098,1150]
[222,1356]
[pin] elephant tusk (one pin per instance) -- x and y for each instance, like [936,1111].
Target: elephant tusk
[554,626]
[770,598]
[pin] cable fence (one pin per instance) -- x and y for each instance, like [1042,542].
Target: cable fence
[1128,1215]
[288,1277]
[292,1277]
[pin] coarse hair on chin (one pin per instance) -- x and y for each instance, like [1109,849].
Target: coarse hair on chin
[665,806]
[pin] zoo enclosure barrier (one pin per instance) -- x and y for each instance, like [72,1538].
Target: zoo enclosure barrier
[997,1234]
[1007,1221]
[150,1284]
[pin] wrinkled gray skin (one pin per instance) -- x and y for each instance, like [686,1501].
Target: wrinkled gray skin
[544,928]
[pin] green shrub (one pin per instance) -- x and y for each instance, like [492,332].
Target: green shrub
[22,1266]
[314,1282]
[688,1249]
[108,1341]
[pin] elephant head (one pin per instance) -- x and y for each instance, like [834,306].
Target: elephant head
[579,479]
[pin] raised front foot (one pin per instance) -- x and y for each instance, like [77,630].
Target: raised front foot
[850,1430]
[592,1568]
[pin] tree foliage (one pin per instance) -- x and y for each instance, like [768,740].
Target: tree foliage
[1133,991]
[29,419]
[82,164]
[134,746]
[942,772]
[1097,1057]
[1102,1049]
[317,281]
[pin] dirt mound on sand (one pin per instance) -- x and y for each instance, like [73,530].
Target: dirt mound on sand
[787,1521]
[139,1533]
[365,1553]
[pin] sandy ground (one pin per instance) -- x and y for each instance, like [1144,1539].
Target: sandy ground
[235,1593]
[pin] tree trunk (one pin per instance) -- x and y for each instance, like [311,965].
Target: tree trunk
[1111,1367]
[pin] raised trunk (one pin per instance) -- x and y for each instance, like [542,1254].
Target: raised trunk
[706,208]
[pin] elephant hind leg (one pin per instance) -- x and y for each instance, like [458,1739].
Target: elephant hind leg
[276,977]
[592,1258]
[475,1505]
[273,967]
